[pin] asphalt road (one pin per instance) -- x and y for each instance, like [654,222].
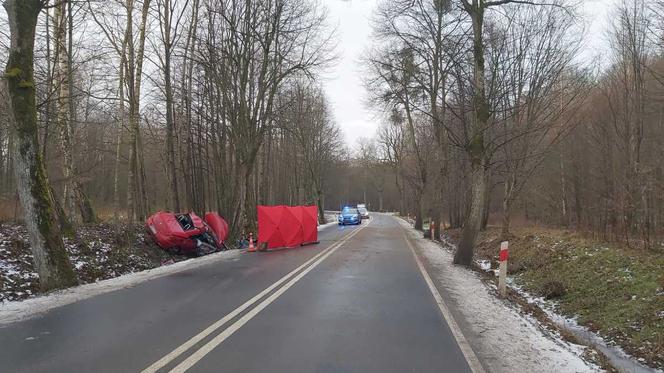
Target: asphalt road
[356,302]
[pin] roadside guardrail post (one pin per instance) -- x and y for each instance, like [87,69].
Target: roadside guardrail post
[502,271]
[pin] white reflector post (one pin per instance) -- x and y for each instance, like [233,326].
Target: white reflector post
[502,271]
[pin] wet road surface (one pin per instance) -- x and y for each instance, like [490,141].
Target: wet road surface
[356,302]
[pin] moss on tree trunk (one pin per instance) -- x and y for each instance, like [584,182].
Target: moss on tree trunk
[51,260]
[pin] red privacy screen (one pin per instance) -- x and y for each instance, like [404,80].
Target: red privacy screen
[287,226]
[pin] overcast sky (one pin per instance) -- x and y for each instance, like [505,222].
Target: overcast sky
[343,83]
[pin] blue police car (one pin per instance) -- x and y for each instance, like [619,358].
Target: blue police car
[350,215]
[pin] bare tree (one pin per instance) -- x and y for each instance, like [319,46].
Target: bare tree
[307,118]
[540,94]
[260,46]
[626,93]
[50,257]
[375,168]
[476,146]
[428,29]
[76,202]
[136,192]
[391,81]
[170,18]
[392,145]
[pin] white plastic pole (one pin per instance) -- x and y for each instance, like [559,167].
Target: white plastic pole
[502,271]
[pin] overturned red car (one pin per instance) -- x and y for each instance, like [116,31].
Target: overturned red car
[187,233]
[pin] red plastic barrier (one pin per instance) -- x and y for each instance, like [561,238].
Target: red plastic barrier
[309,224]
[286,226]
[269,218]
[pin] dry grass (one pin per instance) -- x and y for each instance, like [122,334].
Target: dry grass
[612,289]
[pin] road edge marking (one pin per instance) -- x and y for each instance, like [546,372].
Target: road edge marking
[467,351]
[223,335]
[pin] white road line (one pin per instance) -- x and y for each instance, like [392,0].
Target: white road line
[218,324]
[221,337]
[466,349]
[212,328]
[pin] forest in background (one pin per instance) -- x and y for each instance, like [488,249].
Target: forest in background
[488,114]
[556,140]
[137,112]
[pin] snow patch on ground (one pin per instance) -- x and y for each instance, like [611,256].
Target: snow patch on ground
[97,252]
[331,220]
[504,339]
[619,358]
[21,310]
[485,265]
[323,226]
[8,268]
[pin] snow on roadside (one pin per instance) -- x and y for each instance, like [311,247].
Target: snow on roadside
[323,226]
[504,339]
[331,220]
[21,310]
[618,357]
[18,280]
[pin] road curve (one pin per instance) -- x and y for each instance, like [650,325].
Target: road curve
[356,302]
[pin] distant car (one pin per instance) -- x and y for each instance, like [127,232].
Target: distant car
[350,215]
[364,213]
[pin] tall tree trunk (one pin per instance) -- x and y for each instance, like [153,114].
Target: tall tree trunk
[402,194]
[49,85]
[437,117]
[240,220]
[476,147]
[249,198]
[135,195]
[9,169]
[421,166]
[321,205]
[438,213]
[380,200]
[419,220]
[145,201]
[563,190]
[131,92]
[473,221]
[507,205]
[170,123]
[51,260]
[121,125]
[63,104]
[76,203]
[3,155]
[487,205]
